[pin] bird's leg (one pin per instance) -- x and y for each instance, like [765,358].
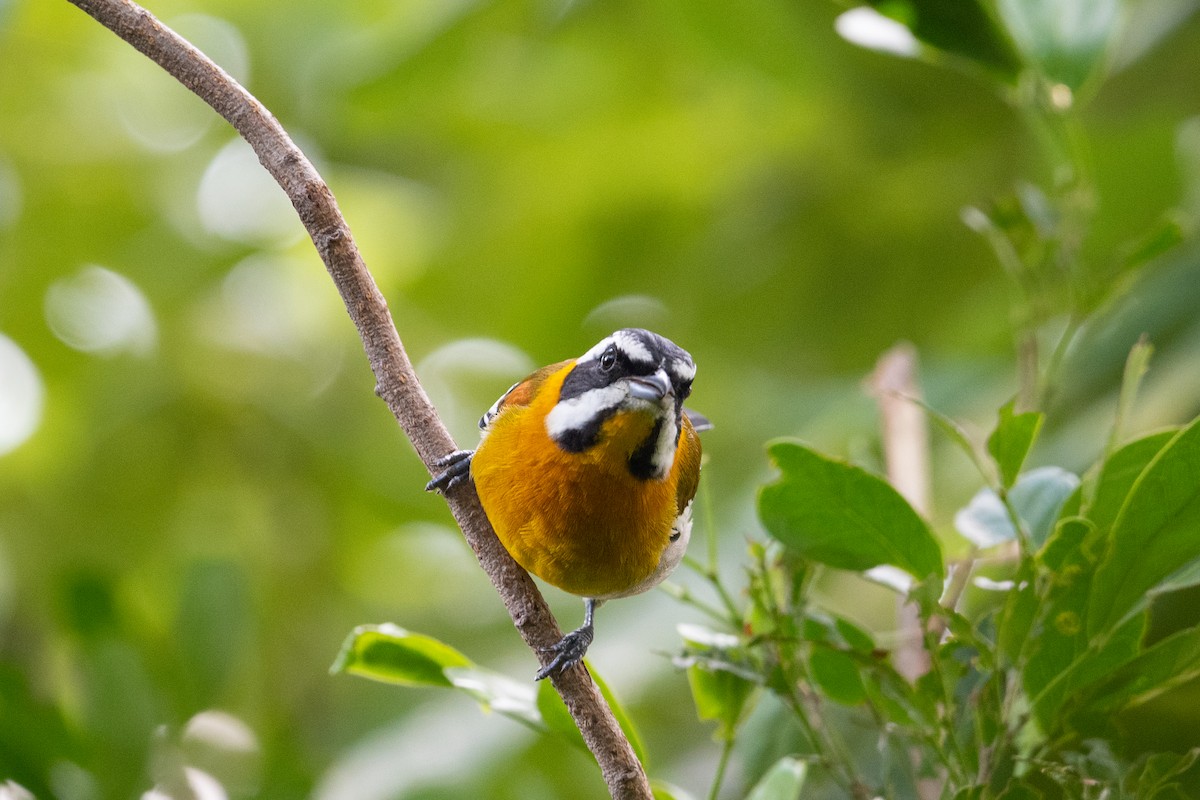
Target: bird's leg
[455,468]
[570,649]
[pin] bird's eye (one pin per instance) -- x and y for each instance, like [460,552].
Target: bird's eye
[608,359]
[685,389]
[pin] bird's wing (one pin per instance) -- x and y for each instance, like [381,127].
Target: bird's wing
[520,393]
[688,455]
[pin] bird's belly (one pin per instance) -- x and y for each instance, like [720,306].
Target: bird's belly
[585,529]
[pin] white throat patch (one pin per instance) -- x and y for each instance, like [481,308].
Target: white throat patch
[576,413]
[664,448]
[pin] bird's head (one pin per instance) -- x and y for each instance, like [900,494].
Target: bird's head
[633,376]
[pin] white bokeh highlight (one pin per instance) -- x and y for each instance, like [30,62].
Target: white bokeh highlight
[102,312]
[22,396]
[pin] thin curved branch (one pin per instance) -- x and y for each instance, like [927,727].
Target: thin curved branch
[396,382]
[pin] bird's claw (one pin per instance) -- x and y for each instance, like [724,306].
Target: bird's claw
[569,651]
[455,468]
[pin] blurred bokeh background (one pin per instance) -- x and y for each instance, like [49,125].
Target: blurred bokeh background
[199,493]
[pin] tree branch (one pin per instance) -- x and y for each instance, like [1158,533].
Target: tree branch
[396,382]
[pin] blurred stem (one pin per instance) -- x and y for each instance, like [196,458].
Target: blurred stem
[1048,378]
[683,595]
[829,752]
[710,528]
[734,618]
[956,764]
[722,763]
[1050,116]
[1028,371]
[1136,365]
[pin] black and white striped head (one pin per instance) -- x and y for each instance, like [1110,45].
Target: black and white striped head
[633,369]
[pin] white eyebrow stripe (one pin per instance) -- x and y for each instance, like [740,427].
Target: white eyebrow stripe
[594,353]
[632,347]
[683,370]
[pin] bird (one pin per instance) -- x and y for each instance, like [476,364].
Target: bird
[587,470]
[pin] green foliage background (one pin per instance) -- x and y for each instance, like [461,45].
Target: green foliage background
[212,496]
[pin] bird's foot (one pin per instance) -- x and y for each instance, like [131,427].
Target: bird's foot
[569,651]
[455,468]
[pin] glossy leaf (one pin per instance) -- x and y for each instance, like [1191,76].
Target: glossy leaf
[1169,663]
[720,695]
[391,654]
[1011,441]
[1156,533]
[661,790]
[1037,498]
[1016,617]
[1165,236]
[558,719]
[1065,39]
[836,675]
[1061,633]
[1158,776]
[1095,664]
[1137,364]
[961,27]
[496,692]
[1119,473]
[722,688]
[854,636]
[843,516]
[783,781]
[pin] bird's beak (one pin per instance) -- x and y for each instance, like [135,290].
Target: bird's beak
[650,387]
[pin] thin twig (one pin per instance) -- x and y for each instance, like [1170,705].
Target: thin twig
[396,381]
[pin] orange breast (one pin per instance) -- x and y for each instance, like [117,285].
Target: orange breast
[579,521]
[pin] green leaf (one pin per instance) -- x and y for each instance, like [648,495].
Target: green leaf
[1096,663]
[558,719]
[720,695]
[1010,443]
[1136,366]
[955,433]
[961,27]
[1169,663]
[1156,533]
[1065,39]
[836,674]
[723,688]
[554,713]
[1060,636]
[1157,776]
[1166,235]
[843,516]
[1119,473]
[854,636]
[783,781]
[496,692]
[661,790]
[1016,618]
[391,654]
[1037,498]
